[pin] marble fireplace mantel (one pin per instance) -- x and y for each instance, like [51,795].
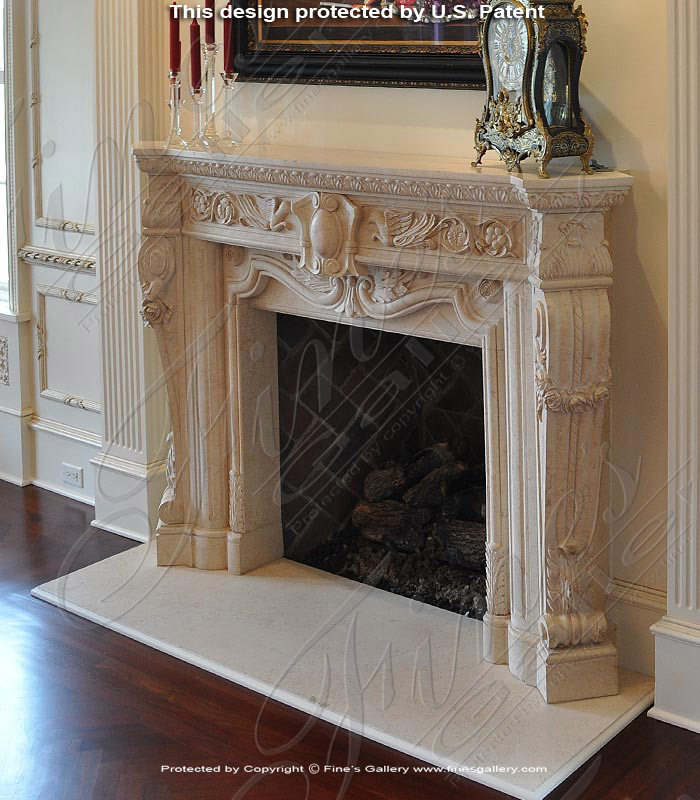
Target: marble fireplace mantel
[425,246]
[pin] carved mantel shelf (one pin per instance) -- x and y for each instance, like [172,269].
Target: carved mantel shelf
[510,263]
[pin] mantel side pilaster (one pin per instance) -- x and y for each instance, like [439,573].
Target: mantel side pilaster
[560,588]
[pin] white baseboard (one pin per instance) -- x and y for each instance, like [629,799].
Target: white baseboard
[677,696]
[674,719]
[136,536]
[633,609]
[63,491]
[13,479]
[127,496]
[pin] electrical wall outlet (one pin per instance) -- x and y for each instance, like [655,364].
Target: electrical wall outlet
[73,476]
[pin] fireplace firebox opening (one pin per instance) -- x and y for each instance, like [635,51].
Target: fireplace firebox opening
[382,460]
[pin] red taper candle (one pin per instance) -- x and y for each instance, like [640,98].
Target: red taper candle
[195,55]
[210,23]
[175,46]
[229,49]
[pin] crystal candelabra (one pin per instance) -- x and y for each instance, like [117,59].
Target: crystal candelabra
[207,137]
[229,79]
[175,139]
[197,94]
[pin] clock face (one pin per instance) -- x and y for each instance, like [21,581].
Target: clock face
[507,43]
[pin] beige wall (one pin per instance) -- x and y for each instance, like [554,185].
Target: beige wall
[624,95]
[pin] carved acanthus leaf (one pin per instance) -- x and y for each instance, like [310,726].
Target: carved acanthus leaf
[497,601]
[570,619]
[575,256]
[569,579]
[236,502]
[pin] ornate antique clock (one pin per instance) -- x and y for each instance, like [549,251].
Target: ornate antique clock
[532,52]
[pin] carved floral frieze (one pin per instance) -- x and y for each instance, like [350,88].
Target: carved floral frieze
[451,234]
[264,213]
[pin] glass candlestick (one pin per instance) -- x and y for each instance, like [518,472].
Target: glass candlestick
[175,139]
[209,138]
[229,79]
[197,103]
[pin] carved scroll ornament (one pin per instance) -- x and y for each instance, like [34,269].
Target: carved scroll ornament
[156,269]
[382,293]
[569,585]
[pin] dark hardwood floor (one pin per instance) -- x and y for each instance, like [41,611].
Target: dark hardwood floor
[86,713]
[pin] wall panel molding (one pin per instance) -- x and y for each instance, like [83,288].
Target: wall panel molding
[55,258]
[45,391]
[80,435]
[35,113]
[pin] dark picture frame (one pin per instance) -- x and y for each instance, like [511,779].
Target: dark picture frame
[318,55]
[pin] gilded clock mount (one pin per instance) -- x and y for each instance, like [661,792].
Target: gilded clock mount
[532,66]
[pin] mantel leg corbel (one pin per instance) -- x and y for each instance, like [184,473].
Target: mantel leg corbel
[183,301]
[575,656]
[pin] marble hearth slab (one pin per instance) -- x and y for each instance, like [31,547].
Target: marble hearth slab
[404,674]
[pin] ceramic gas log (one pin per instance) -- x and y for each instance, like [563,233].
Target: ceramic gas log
[436,250]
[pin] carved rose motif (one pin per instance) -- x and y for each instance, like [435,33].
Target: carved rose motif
[200,205]
[568,401]
[495,239]
[155,311]
[489,289]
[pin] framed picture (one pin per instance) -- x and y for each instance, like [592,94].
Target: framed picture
[429,43]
